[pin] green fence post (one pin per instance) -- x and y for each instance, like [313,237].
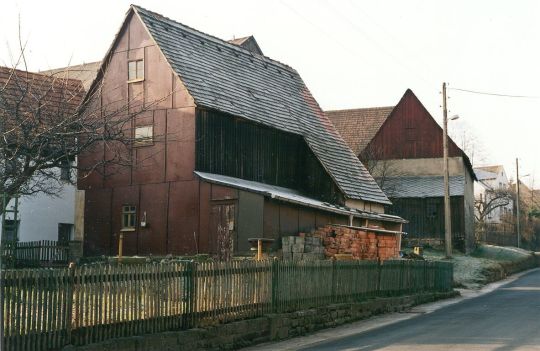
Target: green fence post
[69,303]
[274,269]
[334,281]
[189,295]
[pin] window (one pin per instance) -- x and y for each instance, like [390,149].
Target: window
[65,232]
[144,135]
[129,216]
[65,171]
[135,70]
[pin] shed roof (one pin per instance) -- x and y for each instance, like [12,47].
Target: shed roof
[358,126]
[228,78]
[292,196]
[421,187]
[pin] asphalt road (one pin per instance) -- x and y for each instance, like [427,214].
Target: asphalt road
[507,318]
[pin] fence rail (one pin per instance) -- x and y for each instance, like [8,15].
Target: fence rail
[48,308]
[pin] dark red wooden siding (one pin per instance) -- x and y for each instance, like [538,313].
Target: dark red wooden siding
[410,132]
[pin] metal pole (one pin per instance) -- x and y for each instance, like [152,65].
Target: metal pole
[120,246]
[518,225]
[259,250]
[447,214]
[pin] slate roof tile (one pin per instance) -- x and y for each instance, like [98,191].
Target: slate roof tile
[262,90]
[422,186]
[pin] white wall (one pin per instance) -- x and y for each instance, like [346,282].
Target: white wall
[40,214]
[481,187]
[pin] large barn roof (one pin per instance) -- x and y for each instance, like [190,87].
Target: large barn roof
[358,126]
[228,78]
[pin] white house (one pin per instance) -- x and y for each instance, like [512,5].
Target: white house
[42,217]
[39,216]
[491,178]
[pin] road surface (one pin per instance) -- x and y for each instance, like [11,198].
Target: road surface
[508,318]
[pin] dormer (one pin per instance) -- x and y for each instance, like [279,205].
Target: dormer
[248,43]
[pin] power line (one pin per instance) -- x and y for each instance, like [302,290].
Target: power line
[495,94]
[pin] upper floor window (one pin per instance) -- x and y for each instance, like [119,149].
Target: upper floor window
[135,70]
[144,135]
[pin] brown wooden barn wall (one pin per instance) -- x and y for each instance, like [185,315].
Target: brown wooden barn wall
[257,216]
[409,132]
[242,149]
[160,181]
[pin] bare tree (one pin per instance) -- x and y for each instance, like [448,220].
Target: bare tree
[47,121]
[492,199]
[382,170]
[465,137]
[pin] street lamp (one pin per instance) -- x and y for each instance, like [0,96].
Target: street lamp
[447,213]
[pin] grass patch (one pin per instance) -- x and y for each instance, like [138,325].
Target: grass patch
[488,263]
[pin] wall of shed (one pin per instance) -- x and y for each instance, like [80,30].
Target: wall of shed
[284,219]
[426,216]
[238,148]
[161,181]
[250,219]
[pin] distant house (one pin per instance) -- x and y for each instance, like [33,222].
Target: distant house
[85,72]
[233,147]
[402,146]
[492,178]
[40,216]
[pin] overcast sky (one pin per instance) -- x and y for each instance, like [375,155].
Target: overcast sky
[350,54]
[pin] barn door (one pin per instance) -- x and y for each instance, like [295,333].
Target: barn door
[223,226]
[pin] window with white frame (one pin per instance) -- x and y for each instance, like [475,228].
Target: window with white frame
[129,217]
[135,70]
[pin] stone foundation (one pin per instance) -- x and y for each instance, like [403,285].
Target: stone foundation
[272,327]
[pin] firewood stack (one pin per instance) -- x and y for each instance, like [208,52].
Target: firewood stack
[361,244]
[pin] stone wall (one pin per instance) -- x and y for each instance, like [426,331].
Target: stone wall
[307,248]
[272,327]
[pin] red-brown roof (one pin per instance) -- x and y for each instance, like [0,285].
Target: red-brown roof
[358,126]
[85,72]
[36,98]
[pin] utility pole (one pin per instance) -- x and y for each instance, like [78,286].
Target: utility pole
[518,226]
[447,213]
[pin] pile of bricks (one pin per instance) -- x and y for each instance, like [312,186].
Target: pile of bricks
[307,248]
[361,244]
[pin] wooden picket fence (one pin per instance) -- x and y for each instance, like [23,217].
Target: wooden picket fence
[35,253]
[47,309]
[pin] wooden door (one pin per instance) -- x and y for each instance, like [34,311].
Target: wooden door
[223,230]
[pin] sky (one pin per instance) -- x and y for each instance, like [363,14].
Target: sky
[350,54]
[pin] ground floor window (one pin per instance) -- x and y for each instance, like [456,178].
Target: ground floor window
[129,215]
[65,232]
